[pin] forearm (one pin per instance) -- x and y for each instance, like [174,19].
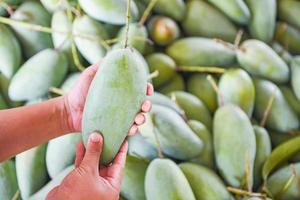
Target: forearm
[26,127]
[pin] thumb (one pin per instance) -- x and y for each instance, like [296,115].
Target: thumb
[93,151]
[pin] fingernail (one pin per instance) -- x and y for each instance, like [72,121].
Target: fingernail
[95,137]
[146,105]
[140,119]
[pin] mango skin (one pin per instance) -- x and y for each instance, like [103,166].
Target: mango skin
[121,82]
[55,5]
[204,20]
[260,60]
[288,11]
[175,84]
[263,21]
[295,65]
[288,37]
[231,122]
[199,86]
[33,80]
[111,12]
[164,180]
[291,98]
[236,87]
[204,182]
[8,180]
[70,82]
[281,117]
[139,147]
[282,52]
[197,51]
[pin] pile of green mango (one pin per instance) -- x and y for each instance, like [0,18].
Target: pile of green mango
[225,118]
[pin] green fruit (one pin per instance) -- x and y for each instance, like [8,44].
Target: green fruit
[8,180]
[291,98]
[4,84]
[89,36]
[10,52]
[236,10]
[141,148]
[163,30]
[111,12]
[288,11]
[281,117]
[121,82]
[64,145]
[193,107]
[55,5]
[31,170]
[201,51]
[70,82]
[262,24]
[234,143]
[204,182]
[199,86]
[164,180]
[288,37]
[175,84]
[33,80]
[134,177]
[3,104]
[207,156]
[236,87]
[32,41]
[260,60]
[295,66]
[204,20]
[283,53]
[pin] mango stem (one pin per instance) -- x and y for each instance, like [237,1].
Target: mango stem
[57,91]
[238,38]
[147,12]
[215,87]
[153,75]
[241,192]
[127,23]
[16,195]
[201,69]
[268,109]
[76,58]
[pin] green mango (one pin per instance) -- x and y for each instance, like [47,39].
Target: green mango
[56,5]
[43,192]
[111,12]
[204,20]
[4,84]
[263,150]
[236,10]
[281,117]
[288,11]
[199,86]
[164,180]
[260,60]
[163,30]
[263,19]
[10,52]
[89,36]
[277,138]
[32,41]
[134,177]
[236,154]
[121,82]
[160,99]
[288,37]
[31,170]
[236,87]
[8,180]
[295,66]
[207,156]
[175,137]
[3,104]
[204,182]
[141,148]
[70,82]
[33,80]
[193,107]
[175,84]
[277,183]
[291,98]
[112,30]
[64,145]
[201,51]
[283,53]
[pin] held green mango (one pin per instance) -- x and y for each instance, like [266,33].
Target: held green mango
[204,182]
[199,86]
[32,41]
[31,170]
[260,60]
[134,177]
[288,37]
[234,146]
[207,156]
[281,117]
[263,19]
[295,65]
[288,11]
[164,65]
[64,145]
[204,20]
[89,36]
[10,52]
[236,10]
[165,181]
[201,51]
[175,84]
[291,98]
[139,147]
[193,107]
[111,12]
[70,82]
[8,180]
[33,80]
[121,83]
[282,52]
[236,87]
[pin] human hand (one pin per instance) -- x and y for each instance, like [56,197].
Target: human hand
[87,181]
[75,100]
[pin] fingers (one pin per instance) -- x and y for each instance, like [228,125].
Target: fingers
[150,89]
[139,119]
[146,107]
[93,152]
[80,150]
[133,130]
[88,74]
